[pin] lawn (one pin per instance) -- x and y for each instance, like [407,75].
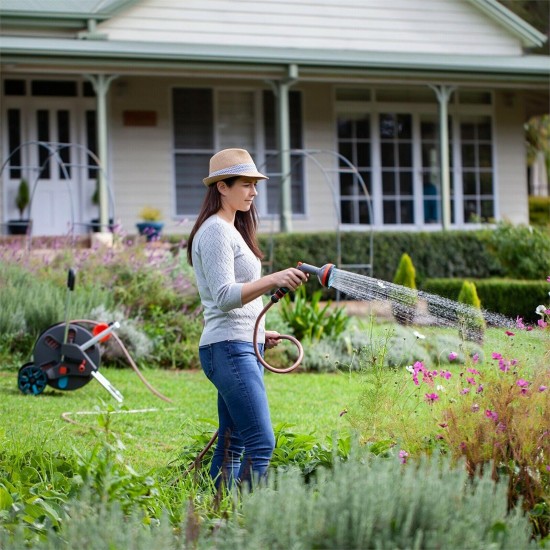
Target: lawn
[154,437]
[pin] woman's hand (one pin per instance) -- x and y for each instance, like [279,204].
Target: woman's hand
[290,278]
[272,339]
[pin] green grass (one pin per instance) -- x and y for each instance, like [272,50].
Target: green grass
[310,403]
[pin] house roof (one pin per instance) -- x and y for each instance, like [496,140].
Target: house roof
[93,52]
[138,57]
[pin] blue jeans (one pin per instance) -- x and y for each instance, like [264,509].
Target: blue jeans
[245,440]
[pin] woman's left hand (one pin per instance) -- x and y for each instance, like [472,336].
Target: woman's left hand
[272,339]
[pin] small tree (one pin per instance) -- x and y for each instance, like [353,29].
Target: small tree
[470,319]
[404,301]
[23,197]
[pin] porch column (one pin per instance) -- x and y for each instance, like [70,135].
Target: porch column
[443,94]
[281,88]
[101,83]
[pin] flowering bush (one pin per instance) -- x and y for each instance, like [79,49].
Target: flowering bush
[497,416]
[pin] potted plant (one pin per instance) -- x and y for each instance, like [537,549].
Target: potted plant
[95,223]
[22,201]
[151,226]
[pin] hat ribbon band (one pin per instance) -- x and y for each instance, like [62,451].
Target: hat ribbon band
[235,169]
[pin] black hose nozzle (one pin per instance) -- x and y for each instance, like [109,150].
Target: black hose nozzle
[324,273]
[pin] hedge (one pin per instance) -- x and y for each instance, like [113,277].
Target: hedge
[508,297]
[539,211]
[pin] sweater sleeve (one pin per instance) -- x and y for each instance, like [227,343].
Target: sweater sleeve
[218,266]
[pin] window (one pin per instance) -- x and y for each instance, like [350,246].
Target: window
[206,120]
[477,169]
[431,166]
[396,153]
[354,143]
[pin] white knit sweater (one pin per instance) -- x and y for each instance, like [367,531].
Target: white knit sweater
[223,262]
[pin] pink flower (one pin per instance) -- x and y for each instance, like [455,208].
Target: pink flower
[541,323]
[431,398]
[548,279]
[509,333]
[519,323]
[471,381]
[473,371]
[542,388]
[522,383]
[443,424]
[496,355]
[445,374]
[403,455]
[453,355]
[465,391]
[475,357]
[479,388]
[491,414]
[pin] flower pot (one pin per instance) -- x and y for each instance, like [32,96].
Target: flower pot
[151,230]
[18,227]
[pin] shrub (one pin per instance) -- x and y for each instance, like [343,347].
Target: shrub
[403,304]
[471,324]
[523,251]
[539,211]
[377,503]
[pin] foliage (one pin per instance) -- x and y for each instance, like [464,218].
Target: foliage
[470,323]
[377,503]
[523,251]
[503,427]
[22,199]
[309,320]
[403,303]
[539,211]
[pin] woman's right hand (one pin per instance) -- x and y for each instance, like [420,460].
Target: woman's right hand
[290,278]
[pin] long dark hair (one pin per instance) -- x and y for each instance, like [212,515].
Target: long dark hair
[246,223]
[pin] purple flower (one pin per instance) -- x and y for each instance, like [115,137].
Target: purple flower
[479,388]
[431,398]
[475,357]
[445,374]
[496,355]
[475,407]
[522,383]
[519,323]
[473,371]
[403,455]
[465,391]
[471,381]
[453,355]
[541,323]
[548,279]
[491,414]
[542,388]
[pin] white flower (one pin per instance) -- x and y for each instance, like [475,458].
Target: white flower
[540,310]
[440,388]
[410,368]
[418,335]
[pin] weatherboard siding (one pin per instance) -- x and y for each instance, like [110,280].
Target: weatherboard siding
[427,26]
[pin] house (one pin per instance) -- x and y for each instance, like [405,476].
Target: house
[390,114]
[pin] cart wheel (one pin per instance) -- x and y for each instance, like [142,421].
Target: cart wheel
[31,379]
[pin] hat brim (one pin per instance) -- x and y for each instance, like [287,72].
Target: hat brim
[213,179]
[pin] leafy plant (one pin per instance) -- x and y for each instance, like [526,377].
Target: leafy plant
[308,319]
[404,303]
[22,198]
[471,324]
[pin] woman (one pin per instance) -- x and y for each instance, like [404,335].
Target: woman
[224,253]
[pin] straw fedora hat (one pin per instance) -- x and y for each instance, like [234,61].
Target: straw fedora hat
[230,163]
